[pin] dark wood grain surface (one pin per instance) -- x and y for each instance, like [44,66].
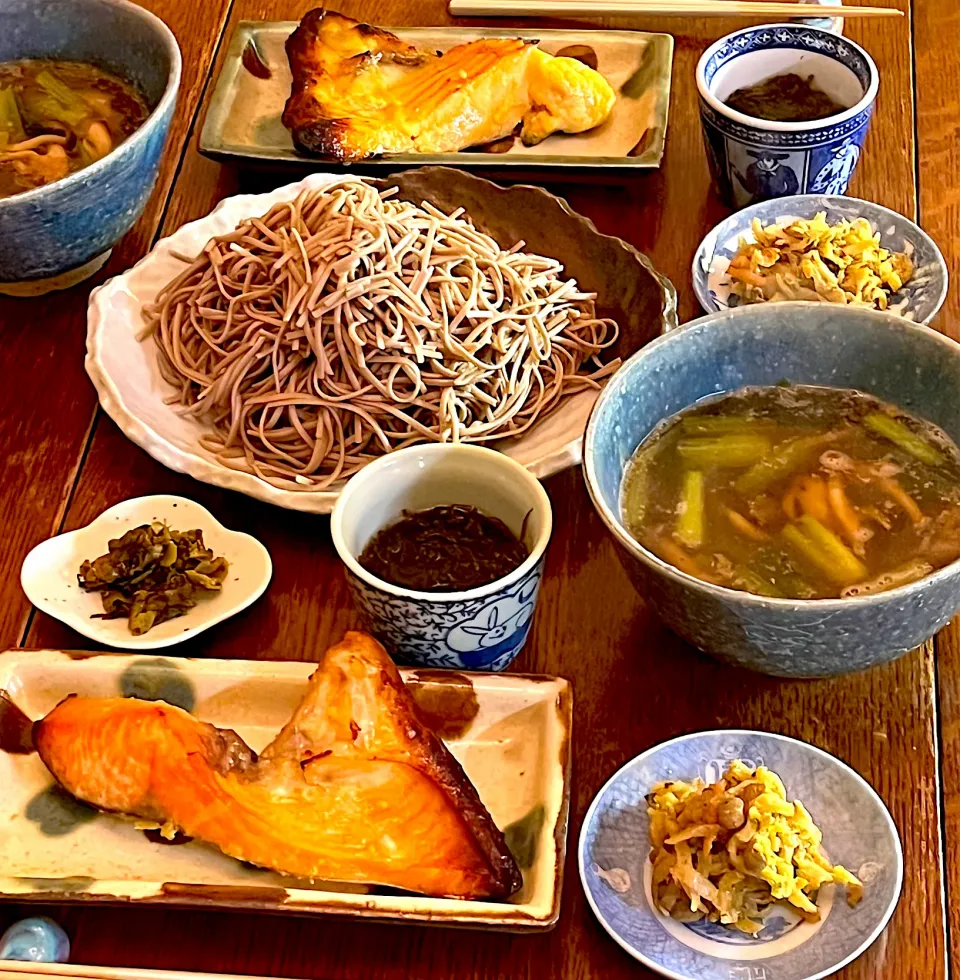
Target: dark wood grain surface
[46,402]
[635,683]
[937,35]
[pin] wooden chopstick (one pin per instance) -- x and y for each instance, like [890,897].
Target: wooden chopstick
[668,8]
[23,970]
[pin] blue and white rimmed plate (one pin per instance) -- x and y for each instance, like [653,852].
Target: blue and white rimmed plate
[919,300]
[858,833]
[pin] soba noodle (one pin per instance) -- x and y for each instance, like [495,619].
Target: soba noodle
[348,323]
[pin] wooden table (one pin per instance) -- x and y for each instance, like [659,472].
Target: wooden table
[636,684]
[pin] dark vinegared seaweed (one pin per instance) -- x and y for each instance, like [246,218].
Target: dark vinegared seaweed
[443,549]
[784,98]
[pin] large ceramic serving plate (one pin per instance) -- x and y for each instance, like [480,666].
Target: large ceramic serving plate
[133,393]
[511,733]
[243,121]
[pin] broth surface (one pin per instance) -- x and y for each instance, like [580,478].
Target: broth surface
[784,98]
[57,117]
[797,492]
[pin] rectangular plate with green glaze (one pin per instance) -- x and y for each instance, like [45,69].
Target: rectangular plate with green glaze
[510,732]
[243,119]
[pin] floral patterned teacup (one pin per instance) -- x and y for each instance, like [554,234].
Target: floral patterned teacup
[478,629]
[754,159]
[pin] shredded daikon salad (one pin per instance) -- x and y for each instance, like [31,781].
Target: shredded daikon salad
[813,260]
[727,851]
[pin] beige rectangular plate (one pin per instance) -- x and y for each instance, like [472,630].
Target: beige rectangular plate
[243,119]
[510,732]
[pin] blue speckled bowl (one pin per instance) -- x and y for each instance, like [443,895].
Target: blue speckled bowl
[57,235]
[920,298]
[858,833]
[912,366]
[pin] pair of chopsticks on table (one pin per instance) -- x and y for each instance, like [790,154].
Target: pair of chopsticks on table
[663,8]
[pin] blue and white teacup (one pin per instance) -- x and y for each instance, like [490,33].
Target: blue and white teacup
[756,159]
[477,629]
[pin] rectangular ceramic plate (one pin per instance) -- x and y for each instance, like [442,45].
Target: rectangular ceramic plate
[510,732]
[243,118]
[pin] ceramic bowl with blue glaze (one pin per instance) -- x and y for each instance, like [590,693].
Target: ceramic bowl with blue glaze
[477,629]
[911,366]
[55,236]
[919,299]
[757,159]
[858,833]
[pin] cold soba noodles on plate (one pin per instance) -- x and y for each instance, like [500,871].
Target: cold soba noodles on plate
[797,492]
[349,323]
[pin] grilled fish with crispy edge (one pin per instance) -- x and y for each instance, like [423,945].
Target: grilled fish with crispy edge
[359,90]
[353,788]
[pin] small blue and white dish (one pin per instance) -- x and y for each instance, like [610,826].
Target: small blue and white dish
[757,159]
[57,235]
[882,354]
[858,833]
[35,940]
[478,629]
[919,300]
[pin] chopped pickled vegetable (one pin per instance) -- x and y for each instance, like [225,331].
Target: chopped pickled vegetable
[690,524]
[152,574]
[894,430]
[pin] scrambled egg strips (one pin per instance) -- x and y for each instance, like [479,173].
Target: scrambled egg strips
[728,850]
[841,263]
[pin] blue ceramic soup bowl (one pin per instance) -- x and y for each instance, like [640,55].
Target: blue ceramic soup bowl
[911,366]
[756,159]
[474,629]
[57,235]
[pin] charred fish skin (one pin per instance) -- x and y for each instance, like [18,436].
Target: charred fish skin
[350,101]
[353,788]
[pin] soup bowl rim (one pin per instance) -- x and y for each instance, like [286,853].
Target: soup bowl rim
[721,592]
[479,457]
[772,125]
[172,49]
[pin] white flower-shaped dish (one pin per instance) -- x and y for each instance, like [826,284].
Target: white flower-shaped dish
[49,572]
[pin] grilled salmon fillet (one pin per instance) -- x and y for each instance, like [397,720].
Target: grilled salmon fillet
[359,90]
[354,788]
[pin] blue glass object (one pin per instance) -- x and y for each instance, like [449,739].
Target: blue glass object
[37,940]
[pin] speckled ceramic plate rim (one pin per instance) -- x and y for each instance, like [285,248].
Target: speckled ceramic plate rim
[800,203]
[501,916]
[90,627]
[211,142]
[739,733]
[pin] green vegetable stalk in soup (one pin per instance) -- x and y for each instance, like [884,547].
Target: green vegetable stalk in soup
[57,117]
[797,492]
